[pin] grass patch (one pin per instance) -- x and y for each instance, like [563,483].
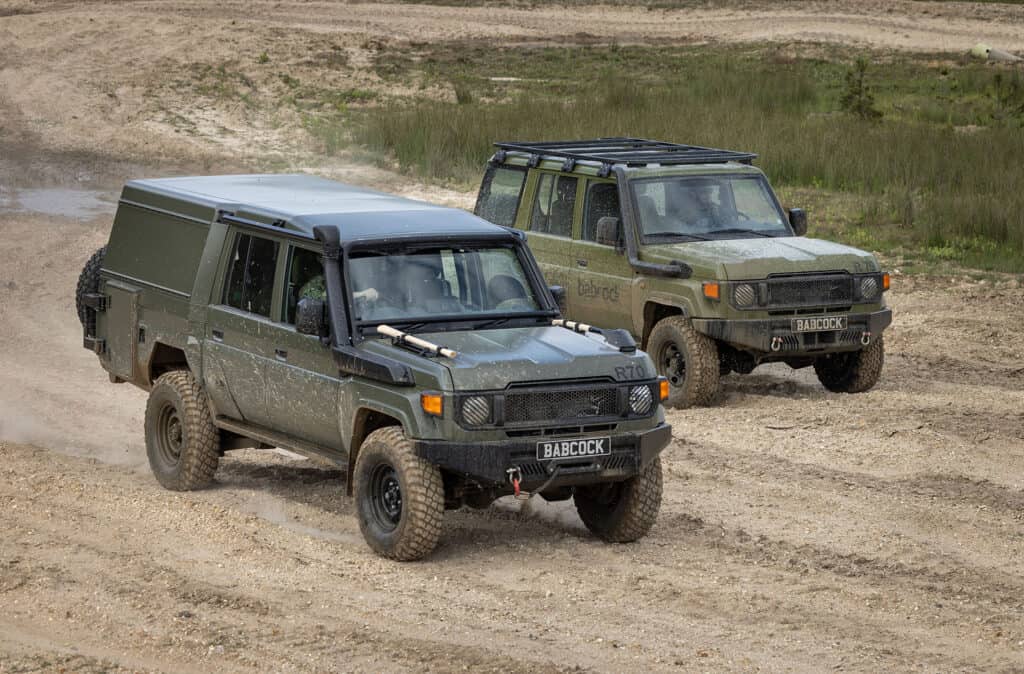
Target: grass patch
[939,172]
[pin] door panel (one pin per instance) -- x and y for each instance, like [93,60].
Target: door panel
[602,294]
[554,254]
[303,385]
[236,345]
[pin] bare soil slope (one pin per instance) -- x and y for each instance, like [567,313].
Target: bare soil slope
[801,530]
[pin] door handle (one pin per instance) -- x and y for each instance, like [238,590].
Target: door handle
[581,263]
[218,335]
[281,354]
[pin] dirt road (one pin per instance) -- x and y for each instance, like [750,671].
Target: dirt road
[801,530]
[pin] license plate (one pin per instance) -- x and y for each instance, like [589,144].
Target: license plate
[577,448]
[819,324]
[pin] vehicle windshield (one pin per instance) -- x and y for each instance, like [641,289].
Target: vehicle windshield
[708,207]
[439,284]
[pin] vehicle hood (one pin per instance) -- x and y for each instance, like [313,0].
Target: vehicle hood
[756,258]
[493,359]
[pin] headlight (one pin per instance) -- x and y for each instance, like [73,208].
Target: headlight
[476,410]
[868,288]
[744,294]
[641,400]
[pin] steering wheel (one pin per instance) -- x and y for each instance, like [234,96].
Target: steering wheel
[511,303]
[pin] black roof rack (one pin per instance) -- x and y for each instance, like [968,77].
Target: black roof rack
[627,151]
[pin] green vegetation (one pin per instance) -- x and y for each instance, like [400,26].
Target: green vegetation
[938,174]
[857,98]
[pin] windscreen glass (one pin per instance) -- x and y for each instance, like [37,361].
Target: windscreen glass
[428,283]
[708,207]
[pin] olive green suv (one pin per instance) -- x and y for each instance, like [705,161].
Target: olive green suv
[689,250]
[415,346]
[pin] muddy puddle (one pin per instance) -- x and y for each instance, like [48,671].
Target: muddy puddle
[64,202]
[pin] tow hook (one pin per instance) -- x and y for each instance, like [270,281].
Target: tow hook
[776,343]
[865,338]
[515,477]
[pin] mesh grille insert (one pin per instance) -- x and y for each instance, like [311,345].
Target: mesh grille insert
[801,292]
[556,404]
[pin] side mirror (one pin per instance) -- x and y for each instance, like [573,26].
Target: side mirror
[309,317]
[558,292]
[798,221]
[609,231]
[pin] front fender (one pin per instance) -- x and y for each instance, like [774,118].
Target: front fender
[645,313]
[402,406]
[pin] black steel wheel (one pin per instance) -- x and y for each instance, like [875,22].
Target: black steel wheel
[672,364]
[688,359]
[399,496]
[182,443]
[169,435]
[386,497]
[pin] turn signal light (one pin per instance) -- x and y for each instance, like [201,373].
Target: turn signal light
[432,403]
[663,389]
[711,290]
[885,281]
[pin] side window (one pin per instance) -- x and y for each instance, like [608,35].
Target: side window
[602,200]
[563,205]
[499,195]
[250,283]
[542,204]
[554,205]
[305,278]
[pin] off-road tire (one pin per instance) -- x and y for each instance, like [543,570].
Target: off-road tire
[386,457]
[622,512]
[88,282]
[852,372]
[699,383]
[181,441]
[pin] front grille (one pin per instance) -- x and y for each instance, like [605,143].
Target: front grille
[562,404]
[796,291]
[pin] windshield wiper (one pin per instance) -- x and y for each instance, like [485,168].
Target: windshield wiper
[493,323]
[676,235]
[740,230]
[407,327]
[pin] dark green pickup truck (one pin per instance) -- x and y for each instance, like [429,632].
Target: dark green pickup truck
[689,249]
[415,346]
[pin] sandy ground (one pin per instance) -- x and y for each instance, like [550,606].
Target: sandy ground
[800,531]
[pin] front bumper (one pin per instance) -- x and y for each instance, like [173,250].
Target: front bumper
[761,335]
[489,462]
